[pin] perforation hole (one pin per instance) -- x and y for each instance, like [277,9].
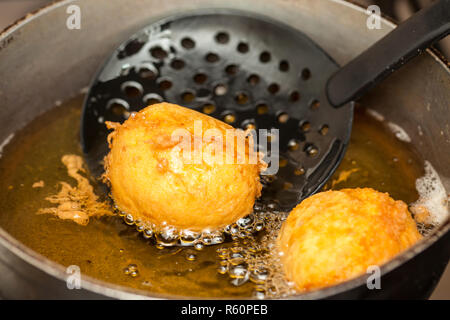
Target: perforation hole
[283,117]
[287,186]
[299,171]
[253,79]
[273,88]
[177,64]
[131,48]
[282,162]
[305,126]
[284,66]
[311,150]
[152,98]
[203,93]
[315,104]
[118,107]
[212,57]
[200,78]
[306,74]
[158,53]
[232,69]
[249,124]
[243,47]
[148,72]
[265,57]
[268,179]
[241,98]
[294,96]
[165,84]
[229,118]
[293,145]
[222,37]
[324,129]
[220,90]
[188,96]
[132,89]
[262,108]
[208,108]
[188,43]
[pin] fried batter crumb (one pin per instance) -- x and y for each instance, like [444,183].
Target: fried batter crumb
[421,214]
[77,203]
[343,177]
[38,184]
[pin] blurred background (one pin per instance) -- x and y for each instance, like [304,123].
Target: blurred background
[398,10]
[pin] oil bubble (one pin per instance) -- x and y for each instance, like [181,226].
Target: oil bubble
[131,270]
[191,256]
[254,258]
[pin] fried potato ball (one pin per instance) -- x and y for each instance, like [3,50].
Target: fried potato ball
[334,236]
[151,179]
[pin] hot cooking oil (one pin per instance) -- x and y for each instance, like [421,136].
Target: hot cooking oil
[110,250]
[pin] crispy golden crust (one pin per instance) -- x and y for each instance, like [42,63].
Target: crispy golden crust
[150,180]
[334,236]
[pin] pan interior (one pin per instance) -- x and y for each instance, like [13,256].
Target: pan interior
[108,249]
[248,71]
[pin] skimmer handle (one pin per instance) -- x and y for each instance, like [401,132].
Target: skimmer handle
[387,55]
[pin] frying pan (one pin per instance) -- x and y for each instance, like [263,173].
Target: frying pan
[416,96]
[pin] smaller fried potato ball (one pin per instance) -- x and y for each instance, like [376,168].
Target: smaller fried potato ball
[335,236]
[151,179]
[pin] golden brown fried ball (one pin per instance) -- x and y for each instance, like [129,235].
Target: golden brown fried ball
[334,236]
[151,180]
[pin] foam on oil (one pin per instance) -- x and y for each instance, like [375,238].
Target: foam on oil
[432,205]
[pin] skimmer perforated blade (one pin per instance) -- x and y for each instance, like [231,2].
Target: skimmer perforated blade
[241,69]
[249,70]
